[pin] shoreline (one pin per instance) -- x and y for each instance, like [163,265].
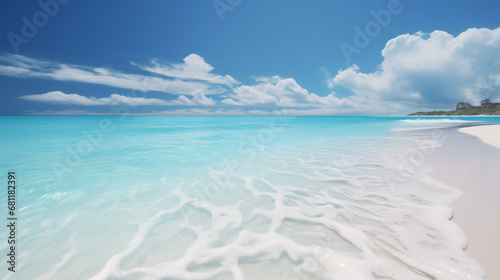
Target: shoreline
[489,134]
[469,160]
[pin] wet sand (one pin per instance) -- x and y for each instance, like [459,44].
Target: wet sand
[469,164]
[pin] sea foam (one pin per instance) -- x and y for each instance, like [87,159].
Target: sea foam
[323,198]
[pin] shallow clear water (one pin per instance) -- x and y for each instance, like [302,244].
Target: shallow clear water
[231,198]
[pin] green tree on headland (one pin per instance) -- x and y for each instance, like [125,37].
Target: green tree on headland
[465,109]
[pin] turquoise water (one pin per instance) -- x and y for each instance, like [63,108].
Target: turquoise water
[279,197]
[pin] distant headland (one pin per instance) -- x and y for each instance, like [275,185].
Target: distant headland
[464,108]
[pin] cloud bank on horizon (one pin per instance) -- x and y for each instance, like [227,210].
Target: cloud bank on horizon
[420,71]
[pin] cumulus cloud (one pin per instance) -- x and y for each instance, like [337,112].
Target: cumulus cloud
[421,71]
[193,68]
[59,97]
[431,71]
[206,112]
[61,113]
[198,98]
[284,92]
[175,112]
[209,112]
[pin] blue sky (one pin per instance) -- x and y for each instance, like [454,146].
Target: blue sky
[246,57]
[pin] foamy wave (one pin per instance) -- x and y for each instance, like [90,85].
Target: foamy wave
[329,202]
[418,124]
[436,121]
[319,213]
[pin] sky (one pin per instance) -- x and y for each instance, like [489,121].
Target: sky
[242,57]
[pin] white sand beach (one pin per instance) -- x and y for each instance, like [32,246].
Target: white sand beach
[467,163]
[489,134]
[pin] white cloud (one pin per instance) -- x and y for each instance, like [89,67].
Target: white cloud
[13,71]
[24,67]
[175,112]
[199,98]
[418,72]
[435,70]
[62,113]
[193,68]
[284,92]
[206,112]
[182,100]
[59,97]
